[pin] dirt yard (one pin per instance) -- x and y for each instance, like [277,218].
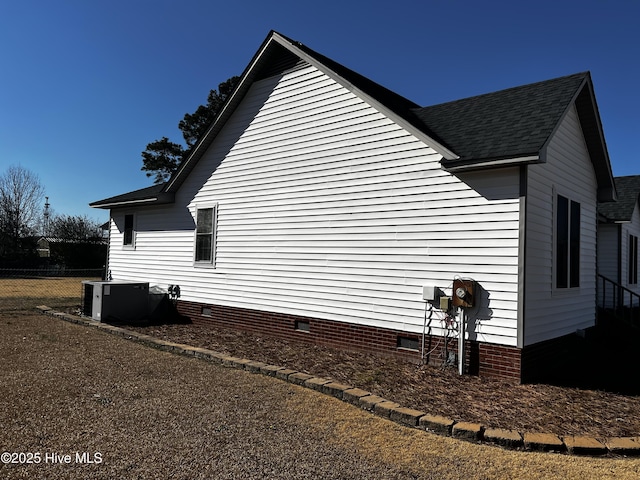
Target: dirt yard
[589,406]
[72,393]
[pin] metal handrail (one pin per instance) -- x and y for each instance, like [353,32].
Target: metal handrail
[617,299]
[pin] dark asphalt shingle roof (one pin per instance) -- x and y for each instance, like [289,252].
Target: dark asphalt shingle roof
[628,196]
[143,194]
[510,123]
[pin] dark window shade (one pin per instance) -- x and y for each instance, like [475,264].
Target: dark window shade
[204,235]
[562,242]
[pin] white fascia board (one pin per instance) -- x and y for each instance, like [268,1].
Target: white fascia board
[126,203]
[506,162]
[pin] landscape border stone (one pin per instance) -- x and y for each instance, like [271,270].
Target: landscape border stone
[335,389]
[353,395]
[468,431]
[505,438]
[583,445]
[543,442]
[384,408]
[510,439]
[316,383]
[369,402]
[436,424]
[624,446]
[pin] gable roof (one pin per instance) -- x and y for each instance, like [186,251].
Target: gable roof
[279,53]
[512,123]
[628,189]
[502,128]
[513,126]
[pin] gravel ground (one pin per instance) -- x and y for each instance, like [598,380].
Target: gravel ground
[68,389]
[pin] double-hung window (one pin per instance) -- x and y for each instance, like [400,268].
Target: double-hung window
[567,243]
[205,241]
[128,237]
[633,260]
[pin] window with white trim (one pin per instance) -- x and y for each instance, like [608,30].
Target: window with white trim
[567,243]
[205,241]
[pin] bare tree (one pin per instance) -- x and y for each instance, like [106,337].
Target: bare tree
[20,197]
[75,227]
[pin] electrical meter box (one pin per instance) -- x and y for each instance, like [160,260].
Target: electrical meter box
[464,293]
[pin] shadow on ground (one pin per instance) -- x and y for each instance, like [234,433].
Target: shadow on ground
[164,312]
[605,358]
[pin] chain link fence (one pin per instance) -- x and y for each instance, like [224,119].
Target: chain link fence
[56,287]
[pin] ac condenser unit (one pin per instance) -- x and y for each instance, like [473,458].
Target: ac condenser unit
[115,300]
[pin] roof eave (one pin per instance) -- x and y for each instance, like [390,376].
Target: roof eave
[160,199]
[591,123]
[470,165]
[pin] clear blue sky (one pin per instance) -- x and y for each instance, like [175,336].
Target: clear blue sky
[87,84]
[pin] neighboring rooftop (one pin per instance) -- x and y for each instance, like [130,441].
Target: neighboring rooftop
[628,196]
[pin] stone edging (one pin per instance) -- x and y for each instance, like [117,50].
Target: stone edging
[510,439]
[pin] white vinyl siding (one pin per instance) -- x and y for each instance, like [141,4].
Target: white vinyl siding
[629,230]
[608,244]
[328,209]
[551,312]
[614,250]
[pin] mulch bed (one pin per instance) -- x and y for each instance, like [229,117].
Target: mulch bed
[436,390]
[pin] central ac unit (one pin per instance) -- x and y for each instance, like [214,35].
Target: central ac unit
[115,300]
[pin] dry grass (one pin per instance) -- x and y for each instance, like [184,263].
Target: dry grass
[26,293]
[151,414]
[46,287]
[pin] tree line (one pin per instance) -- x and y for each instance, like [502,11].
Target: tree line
[22,219]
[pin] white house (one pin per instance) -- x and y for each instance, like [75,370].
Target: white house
[618,232]
[319,205]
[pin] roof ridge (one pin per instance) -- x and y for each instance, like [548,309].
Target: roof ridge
[584,74]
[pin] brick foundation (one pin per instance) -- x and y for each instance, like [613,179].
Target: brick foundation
[483,359]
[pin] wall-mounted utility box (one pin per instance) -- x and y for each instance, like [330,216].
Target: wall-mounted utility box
[432,294]
[115,300]
[445,303]
[429,293]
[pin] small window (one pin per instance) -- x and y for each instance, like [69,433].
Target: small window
[129,232]
[567,243]
[302,326]
[408,343]
[205,235]
[633,260]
